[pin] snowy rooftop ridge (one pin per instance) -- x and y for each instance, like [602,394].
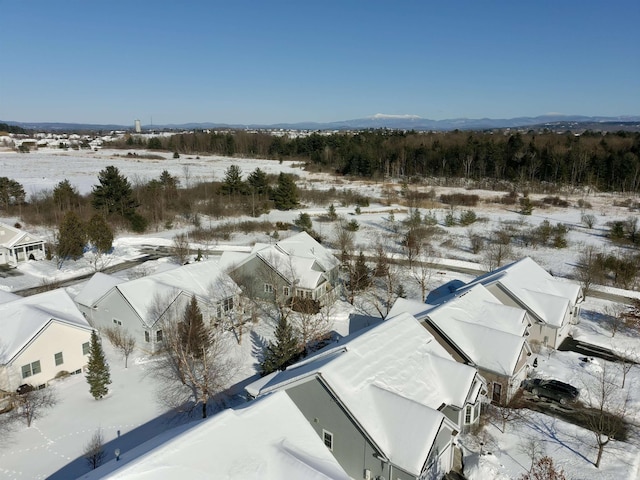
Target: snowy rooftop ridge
[22,319]
[475,321]
[547,297]
[386,371]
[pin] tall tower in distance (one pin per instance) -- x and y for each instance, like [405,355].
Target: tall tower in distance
[138,126]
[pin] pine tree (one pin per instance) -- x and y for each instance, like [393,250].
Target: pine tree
[360,277]
[114,194]
[193,334]
[71,237]
[99,233]
[98,376]
[283,351]
[232,183]
[285,195]
[258,182]
[66,196]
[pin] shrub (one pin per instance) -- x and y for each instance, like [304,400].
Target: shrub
[468,217]
[282,225]
[555,201]
[589,220]
[460,199]
[510,198]
[449,219]
[583,203]
[526,206]
[138,223]
[476,243]
[353,226]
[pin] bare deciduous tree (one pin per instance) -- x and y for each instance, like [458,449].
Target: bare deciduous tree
[534,449]
[608,408]
[33,403]
[121,340]
[187,377]
[94,451]
[344,239]
[422,270]
[496,254]
[589,268]
[180,248]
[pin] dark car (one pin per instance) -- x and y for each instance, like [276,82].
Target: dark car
[552,390]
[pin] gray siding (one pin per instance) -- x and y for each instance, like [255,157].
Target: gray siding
[350,447]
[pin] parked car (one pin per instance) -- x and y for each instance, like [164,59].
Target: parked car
[554,390]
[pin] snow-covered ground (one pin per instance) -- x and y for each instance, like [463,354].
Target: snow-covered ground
[130,413]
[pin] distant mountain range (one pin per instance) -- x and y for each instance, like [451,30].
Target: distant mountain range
[402,122]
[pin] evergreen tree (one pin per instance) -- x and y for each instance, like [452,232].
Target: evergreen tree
[100,233]
[98,376]
[360,277]
[66,196]
[232,183]
[114,193]
[71,237]
[283,351]
[285,195]
[303,222]
[258,182]
[192,331]
[11,192]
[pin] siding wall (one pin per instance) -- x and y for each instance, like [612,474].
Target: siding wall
[351,449]
[55,338]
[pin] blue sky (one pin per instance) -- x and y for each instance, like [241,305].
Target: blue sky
[293,61]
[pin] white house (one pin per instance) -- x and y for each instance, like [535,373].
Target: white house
[388,400]
[553,304]
[18,246]
[142,305]
[478,330]
[40,337]
[268,439]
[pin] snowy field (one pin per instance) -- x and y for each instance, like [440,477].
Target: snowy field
[129,415]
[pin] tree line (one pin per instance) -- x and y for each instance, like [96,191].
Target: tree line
[605,161]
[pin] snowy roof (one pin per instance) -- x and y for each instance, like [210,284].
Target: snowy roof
[21,320]
[268,439]
[8,296]
[203,279]
[469,325]
[96,288]
[393,378]
[299,258]
[547,297]
[10,236]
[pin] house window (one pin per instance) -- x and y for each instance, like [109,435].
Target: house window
[468,414]
[146,336]
[227,304]
[85,348]
[497,392]
[58,358]
[327,437]
[285,291]
[159,336]
[31,369]
[268,288]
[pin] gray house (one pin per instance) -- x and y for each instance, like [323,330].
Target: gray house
[552,304]
[142,305]
[295,267]
[387,401]
[478,330]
